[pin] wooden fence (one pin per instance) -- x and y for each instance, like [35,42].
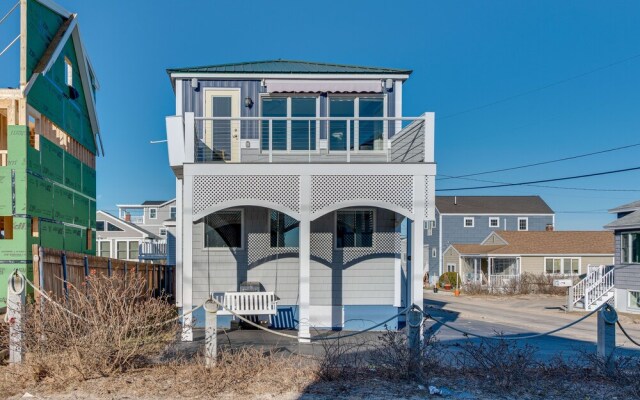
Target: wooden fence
[54,271]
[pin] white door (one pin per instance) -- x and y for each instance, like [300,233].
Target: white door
[222,137]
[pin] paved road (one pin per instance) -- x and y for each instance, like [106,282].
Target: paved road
[523,315]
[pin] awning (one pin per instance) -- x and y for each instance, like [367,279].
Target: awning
[321,86]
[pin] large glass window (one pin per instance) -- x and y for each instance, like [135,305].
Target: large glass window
[354,228]
[341,107]
[121,248]
[223,229]
[285,231]
[105,249]
[133,250]
[630,247]
[562,266]
[274,107]
[368,134]
[303,133]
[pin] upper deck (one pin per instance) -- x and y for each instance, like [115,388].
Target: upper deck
[294,112]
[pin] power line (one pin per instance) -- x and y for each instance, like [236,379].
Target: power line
[542,180]
[544,162]
[546,186]
[10,12]
[9,46]
[538,89]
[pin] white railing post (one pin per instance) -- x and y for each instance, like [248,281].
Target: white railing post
[211,333]
[270,140]
[309,143]
[348,141]
[16,297]
[189,137]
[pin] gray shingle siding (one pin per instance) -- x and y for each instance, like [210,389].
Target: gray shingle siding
[338,277]
[627,276]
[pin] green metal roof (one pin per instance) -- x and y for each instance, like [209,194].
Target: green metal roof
[287,67]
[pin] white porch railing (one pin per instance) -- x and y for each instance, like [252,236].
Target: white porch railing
[501,280]
[248,303]
[597,285]
[152,250]
[312,139]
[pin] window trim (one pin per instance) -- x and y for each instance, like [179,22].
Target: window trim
[165,232]
[242,231]
[634,307]
[434,252]
[562,258]
[282,247]
[630,249]
[356,123]
[494,219]
[473,222]
[137,243]
[373,225]
[526,219]
[288,96]
[156,213]
[455,266]
[99,248]
[118,250]
[173,212]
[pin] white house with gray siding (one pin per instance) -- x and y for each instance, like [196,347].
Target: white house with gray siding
[470,219]
[303,178]
[627,246]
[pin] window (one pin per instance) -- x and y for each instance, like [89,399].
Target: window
[100,226]
[451,268]
[113,228]
[634,300]
[494,222]
[523,224]
[133,250]
[365,135]
[562,266]
[121,248]
[285,230]
[630,247]
[173,213]
[35,227]
[104,249]
[153,213]
[89,236]
[223,229]
[68,72]
[354,228]
[434,252]
[468,222]
[293,135]
[6,228]
[163,231]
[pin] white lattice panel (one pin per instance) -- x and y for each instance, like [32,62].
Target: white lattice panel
[279,189]
[327,190]
[259,249]
[384,244]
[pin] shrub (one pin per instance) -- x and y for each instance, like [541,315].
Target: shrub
[449,277]
[117,328]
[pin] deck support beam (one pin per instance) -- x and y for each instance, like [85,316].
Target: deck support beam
[304,282]
[187,258]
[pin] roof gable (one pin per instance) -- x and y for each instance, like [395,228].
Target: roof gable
[633,206]
[288,67]
[524,205]
[130,225]
[630,221]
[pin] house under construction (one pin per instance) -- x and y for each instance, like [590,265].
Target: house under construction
[49,139]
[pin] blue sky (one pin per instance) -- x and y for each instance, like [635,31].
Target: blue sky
[465,54]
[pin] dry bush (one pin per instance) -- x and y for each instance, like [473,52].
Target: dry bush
[117,328]
[526,283]
[393,360]
[343,358]
[624,372]
[500,364]
[474,289]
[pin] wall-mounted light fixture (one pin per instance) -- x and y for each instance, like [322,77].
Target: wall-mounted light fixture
[387,84]
[248,102]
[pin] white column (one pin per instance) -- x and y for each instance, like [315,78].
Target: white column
[397,88]
[429,133]
[179,242]
[304,282]
[187,257]
[417,241]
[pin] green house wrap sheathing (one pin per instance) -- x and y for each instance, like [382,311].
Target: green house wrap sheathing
[48,183]
[50,95]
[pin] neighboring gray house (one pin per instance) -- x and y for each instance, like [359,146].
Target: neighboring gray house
[470,219]
[117,238]
[627,270]
[299,176]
